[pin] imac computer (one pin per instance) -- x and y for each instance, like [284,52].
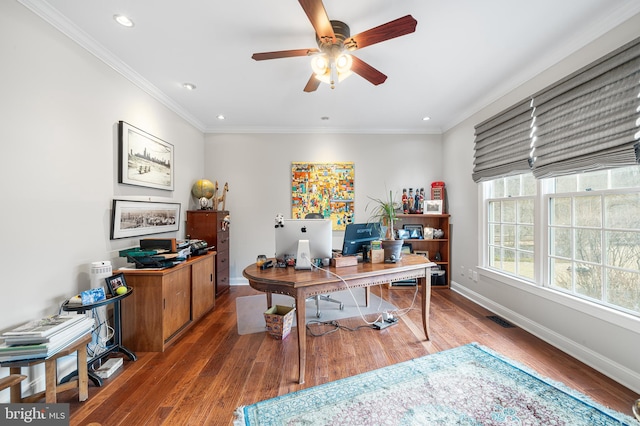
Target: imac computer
[304,239]
[357,235]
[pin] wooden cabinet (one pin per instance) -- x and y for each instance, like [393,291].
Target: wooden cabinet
[166,302]
[207,225]
[176,301]
[439,248]
[203,288]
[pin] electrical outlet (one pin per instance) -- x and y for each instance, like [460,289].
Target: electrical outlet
[475,276]
[470,273]
[462,270]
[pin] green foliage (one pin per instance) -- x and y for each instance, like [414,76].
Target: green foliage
[384,212]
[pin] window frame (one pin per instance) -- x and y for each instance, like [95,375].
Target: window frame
[540,285]
[484,241]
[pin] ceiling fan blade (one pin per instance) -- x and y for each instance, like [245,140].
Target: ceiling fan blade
[319,19]
[283,54]
[399,27]
[367,72]
[312,84]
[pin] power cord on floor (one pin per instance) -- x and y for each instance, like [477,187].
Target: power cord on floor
[370,324]
[335,327]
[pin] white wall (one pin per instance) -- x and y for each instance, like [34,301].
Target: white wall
[258,169]
[608,341]
[58,169]
[58,174]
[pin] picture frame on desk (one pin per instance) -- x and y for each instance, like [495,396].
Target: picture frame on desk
[144,160]
[424,253]
[407,248]
[114,282]
[135,218]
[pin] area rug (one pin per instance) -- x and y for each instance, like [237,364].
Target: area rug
[468,385]
[250,309]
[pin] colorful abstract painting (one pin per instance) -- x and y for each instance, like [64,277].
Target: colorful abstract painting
[325,188]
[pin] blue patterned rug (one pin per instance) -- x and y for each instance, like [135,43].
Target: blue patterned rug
[469,385]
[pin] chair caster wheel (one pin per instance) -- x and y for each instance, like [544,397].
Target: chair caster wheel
[342,306]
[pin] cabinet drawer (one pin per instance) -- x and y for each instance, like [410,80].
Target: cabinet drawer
[222,260]
[222,281]
[223,241]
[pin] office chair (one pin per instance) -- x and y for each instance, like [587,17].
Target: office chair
[320,297]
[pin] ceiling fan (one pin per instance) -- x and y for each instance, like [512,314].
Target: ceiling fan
[334,41]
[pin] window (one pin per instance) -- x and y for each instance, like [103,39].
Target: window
[553,224]
[591,227]
[510,211]
[594,236]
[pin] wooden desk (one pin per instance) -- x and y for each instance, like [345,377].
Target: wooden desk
[301,284]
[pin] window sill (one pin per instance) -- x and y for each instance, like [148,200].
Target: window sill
[617,318]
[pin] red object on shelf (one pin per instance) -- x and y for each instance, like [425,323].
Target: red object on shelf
[437,190]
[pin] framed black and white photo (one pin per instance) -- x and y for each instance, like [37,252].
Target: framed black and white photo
[415,231]
[135,218]
[424,253]
[115,282]
[432,207]
[145,160]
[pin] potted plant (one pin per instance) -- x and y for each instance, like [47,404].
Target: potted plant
[385,213]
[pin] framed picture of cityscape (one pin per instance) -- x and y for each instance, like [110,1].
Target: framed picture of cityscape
[135,218]
[144,160]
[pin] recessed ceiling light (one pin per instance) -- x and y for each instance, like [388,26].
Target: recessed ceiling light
[189,86]
[123,20]
[426,118]
[220,117]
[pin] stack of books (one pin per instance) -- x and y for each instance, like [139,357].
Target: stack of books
[44,337]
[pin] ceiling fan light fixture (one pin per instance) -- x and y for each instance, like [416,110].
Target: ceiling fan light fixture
[326,77]
[320,64]
[343,75]
[343,63]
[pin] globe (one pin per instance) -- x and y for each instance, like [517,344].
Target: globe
[203,188]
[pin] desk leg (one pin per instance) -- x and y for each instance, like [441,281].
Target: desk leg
[51,379]
[302,334]
[16,390]
[83,375]
[269,299]
[367,295]
[425,285]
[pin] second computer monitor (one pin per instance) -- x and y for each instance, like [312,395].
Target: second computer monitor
[357,235]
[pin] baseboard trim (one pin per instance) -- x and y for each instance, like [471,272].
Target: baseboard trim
[595,360]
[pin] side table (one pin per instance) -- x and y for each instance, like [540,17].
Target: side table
[51,374]
[116,343]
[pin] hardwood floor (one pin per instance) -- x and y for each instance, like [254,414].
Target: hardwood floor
[212,370]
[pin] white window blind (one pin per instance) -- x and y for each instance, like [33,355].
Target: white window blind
[589,120]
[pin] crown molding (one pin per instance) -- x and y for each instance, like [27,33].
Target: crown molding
[45,11]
